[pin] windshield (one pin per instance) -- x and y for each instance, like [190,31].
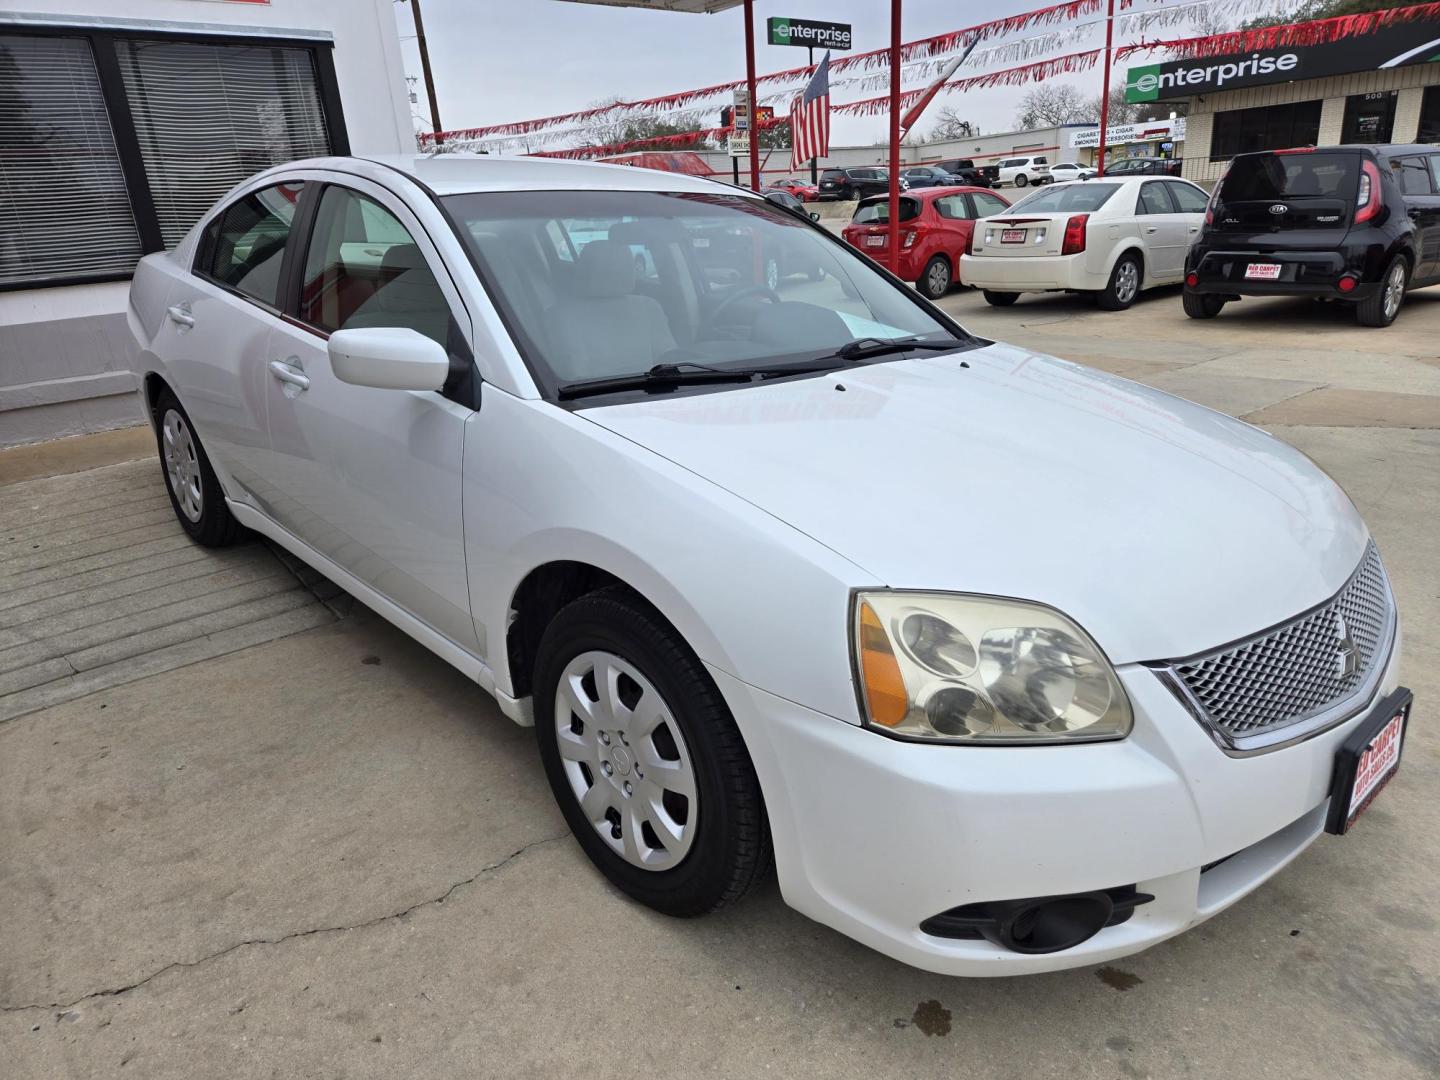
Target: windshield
[1067,198]
[1291,176]
[878,211]
[599,284]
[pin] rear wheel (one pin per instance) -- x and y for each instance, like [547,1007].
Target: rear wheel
[644,758]
[935,278]
[1381,308]
[1201,305]
[1000,299]
[195,491]
[1124,284]
[1021,180]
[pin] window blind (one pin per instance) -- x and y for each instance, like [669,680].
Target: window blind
[209,115]
[64,208]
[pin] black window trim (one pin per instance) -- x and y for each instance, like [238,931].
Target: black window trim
[127,141]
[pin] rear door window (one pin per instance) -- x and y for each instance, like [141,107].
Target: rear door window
[1412,174]
[953,207]
[985,205]
[245,247]
[1153,199]
[1189,198]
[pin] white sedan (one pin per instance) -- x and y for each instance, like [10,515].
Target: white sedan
[1111,238]
[1005,664]
[1069,170]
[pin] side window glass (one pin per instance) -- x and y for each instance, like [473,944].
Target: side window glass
[247,247]
[1433,160]
[952,206]
[558,240]
[1153,199]
[364,268]
[1190,199]
[1414,177]
[985,205]
[1041,161]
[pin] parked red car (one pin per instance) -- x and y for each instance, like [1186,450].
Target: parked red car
[935,228]
[801,189]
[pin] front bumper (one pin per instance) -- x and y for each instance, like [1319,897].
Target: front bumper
[873,836]
[1028,273]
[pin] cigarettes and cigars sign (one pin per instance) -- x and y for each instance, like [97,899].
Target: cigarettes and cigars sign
[1416,42]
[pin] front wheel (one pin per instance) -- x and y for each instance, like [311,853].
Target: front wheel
[1381,308]
[1124,285]
[1201,305]
[935,278]
[644,758]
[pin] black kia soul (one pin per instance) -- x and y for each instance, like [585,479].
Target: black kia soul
[1353,223]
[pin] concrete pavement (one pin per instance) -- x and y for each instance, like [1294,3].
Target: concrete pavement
[329,855]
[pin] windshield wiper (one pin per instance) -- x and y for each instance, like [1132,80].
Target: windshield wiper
[865,347]
[683,373]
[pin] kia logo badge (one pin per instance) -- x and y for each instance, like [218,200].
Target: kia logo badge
[1279,208]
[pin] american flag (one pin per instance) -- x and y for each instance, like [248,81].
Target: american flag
[810,118]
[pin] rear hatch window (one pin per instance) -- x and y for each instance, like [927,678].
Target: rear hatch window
[1077,197]
[1272,192]
[877,211]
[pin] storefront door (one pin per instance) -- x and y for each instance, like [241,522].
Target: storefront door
[1369,117]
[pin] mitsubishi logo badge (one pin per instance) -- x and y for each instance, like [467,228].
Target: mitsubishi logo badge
[1347,657]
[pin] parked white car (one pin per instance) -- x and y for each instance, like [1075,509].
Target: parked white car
[1023,171]
[1112,238]
[1013,665]
[1070,170]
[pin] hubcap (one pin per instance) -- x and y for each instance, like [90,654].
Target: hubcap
[939,279]
[626,760]
[182,466]
[1394,290]
[1127,281]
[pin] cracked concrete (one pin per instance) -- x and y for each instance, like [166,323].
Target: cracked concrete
[266,861]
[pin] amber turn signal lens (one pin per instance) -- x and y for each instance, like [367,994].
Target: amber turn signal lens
[884,685]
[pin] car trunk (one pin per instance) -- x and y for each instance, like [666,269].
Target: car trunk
[1019,235]
[1281,201]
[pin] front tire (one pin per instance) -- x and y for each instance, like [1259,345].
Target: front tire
[195,492]
[1201,305]
[1124,285]
[644,758]
[1000,299]
[935,279]
[1381,308]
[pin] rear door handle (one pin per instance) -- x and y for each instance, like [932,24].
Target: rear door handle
[287,374]
[180,315]
[1152,228]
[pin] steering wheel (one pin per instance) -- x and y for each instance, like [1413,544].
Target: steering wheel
[735,297]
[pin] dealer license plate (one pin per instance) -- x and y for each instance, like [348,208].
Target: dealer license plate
[1263,271]
[1368,760]
[874,241]
[1012,236]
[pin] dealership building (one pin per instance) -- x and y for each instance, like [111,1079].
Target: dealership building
[120,124]
[1381,87]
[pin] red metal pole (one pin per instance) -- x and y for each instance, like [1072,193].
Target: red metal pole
[750,87]
[1105,94]
[895,135]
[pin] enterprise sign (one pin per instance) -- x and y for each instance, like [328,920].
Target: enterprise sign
[818,35]
[1392,46]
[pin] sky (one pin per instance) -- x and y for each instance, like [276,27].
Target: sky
[502,60]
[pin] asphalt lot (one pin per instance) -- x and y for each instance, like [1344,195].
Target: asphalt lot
[326,854]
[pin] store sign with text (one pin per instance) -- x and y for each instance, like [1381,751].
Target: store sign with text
[807,32]
[1416,42]
[1120,134]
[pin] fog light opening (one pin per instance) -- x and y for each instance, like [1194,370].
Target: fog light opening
[1051,924]
[1347,283]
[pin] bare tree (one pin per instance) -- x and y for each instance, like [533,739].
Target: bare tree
[1050,105]
[950,125]
[1121,111]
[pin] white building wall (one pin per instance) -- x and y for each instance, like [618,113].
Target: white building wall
[65,351]
[1332,91]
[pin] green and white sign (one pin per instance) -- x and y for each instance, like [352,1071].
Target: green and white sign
[806,32]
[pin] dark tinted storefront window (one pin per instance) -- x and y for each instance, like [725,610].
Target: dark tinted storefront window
[1430,116]
[1266,127]
[1369,118]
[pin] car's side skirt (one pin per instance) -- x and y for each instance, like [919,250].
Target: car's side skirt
[517,709]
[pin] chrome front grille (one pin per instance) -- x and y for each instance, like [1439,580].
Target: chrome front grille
[1299,670]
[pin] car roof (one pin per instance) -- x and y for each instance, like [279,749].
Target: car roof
[453,174]
[927,192]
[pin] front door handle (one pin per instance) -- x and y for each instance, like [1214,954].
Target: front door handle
[180,315]
[287,374]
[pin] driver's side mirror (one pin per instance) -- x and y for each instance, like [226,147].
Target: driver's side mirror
[388,358]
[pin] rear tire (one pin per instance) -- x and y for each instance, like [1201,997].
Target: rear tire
[722,847]
[1021,180]
[1000,299]
[1201,305]
[1124,284]
[195,492]
[935,279]
[1381,308]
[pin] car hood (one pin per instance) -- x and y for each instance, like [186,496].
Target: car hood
[1164,528]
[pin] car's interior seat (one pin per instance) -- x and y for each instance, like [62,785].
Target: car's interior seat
[605,328]
[410,296]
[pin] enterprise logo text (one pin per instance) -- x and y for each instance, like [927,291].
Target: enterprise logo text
[1216,75]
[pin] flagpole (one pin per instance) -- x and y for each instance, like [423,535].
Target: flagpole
[814,175]
[895,135]
[750,87]
[1105,93]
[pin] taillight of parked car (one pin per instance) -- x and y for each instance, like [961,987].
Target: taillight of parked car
[1074,242]
[910,237]
[1367,202]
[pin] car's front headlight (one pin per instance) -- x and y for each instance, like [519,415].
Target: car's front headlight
[977,669]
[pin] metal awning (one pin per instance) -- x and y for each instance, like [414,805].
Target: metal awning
[695,7]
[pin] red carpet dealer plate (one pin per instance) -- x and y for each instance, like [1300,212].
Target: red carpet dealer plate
[1368,760]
